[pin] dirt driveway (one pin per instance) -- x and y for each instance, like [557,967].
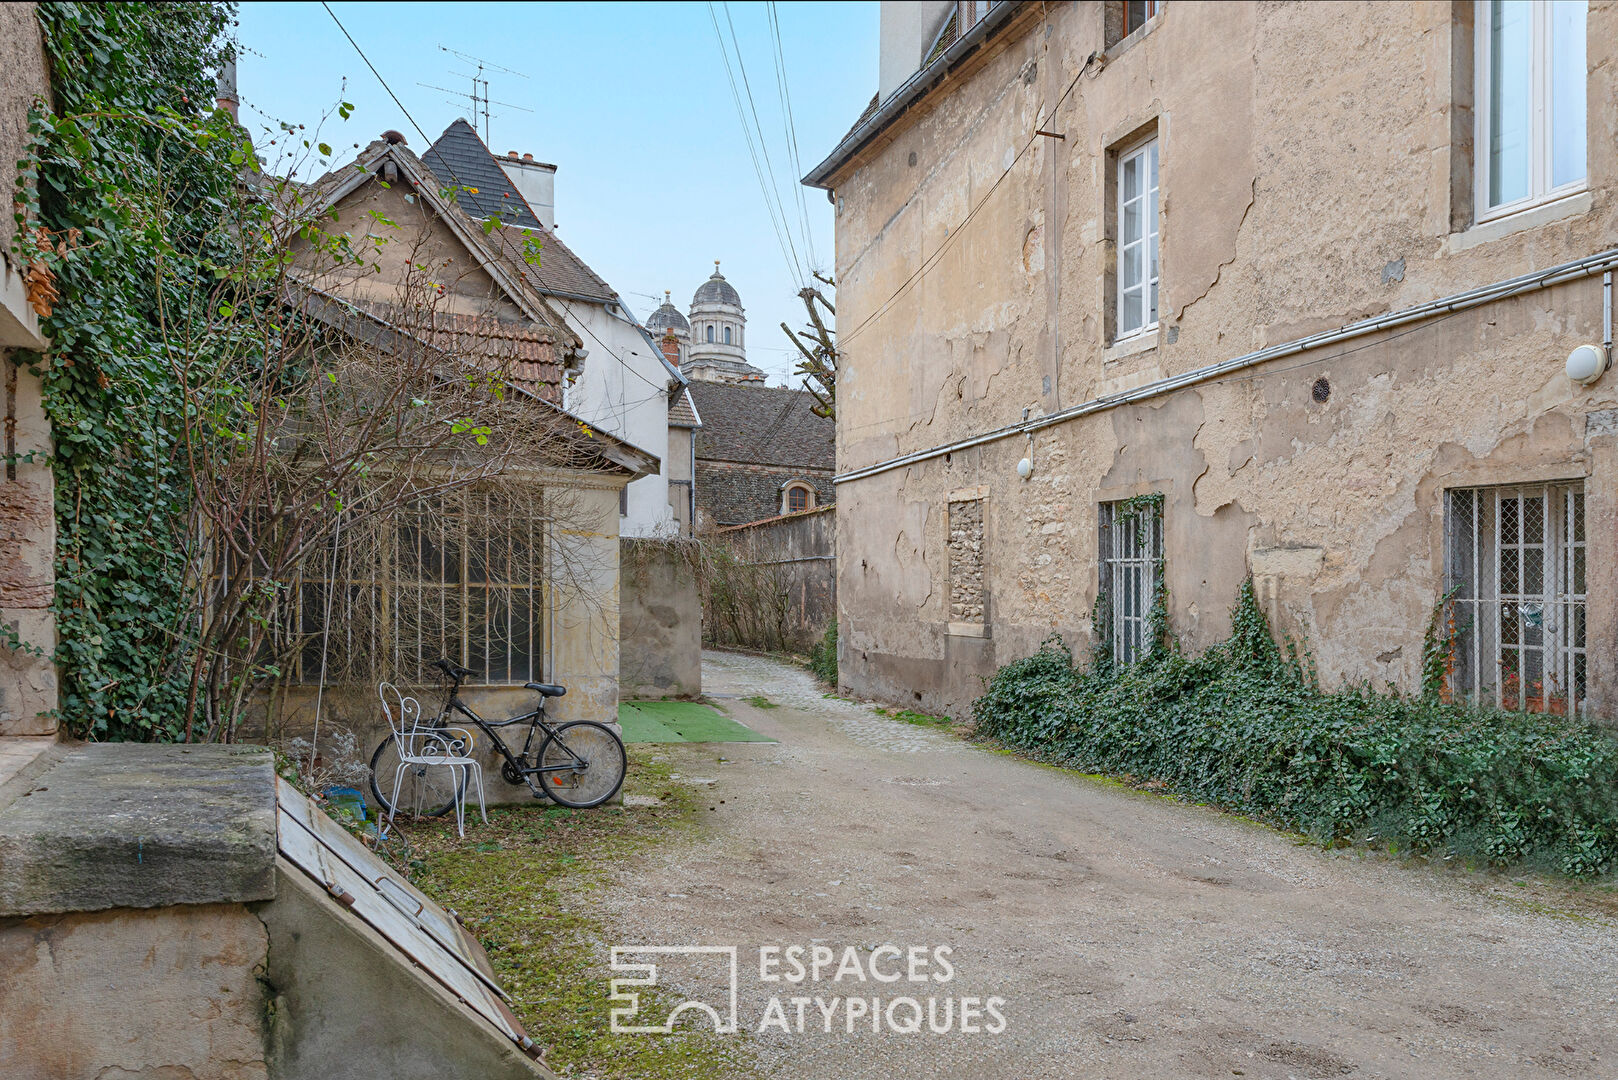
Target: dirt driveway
[1127,935]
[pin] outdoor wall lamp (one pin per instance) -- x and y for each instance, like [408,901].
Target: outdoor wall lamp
[1586,363]
[1025,467]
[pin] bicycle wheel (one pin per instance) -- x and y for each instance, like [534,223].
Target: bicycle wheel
[597,764]
[424,790]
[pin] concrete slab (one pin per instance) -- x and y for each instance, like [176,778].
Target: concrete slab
[19,752]
[126,825]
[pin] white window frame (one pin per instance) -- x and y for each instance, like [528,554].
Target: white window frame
[1146,149]
[1540,121]
[1131,568]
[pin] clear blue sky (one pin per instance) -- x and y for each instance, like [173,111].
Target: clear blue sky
[630,101]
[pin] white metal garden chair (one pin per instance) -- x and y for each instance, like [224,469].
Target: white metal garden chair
[422,746]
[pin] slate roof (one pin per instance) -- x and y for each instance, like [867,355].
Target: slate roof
[762,425]
[716,290]
[460,158]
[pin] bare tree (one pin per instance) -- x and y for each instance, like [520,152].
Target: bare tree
[818,347]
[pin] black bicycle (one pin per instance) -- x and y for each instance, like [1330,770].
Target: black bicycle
[580,763]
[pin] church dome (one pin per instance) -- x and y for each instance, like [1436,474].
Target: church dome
[716,290]
[668,317]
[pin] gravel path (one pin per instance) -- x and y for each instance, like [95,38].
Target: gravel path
[1128,936]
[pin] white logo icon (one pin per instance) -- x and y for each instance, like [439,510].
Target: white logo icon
[623,1017]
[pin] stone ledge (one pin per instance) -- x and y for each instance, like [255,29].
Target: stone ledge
[127,825]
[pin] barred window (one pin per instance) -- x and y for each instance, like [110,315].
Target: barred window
[1131,569]
[1515,562]
[458,576]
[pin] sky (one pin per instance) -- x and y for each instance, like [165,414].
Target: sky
[631,102]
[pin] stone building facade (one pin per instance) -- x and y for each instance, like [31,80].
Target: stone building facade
[28,689]
[1231,290]
[760,452]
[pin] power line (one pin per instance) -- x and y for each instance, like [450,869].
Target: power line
[763,143]
[772,207]
[457,180]
[784,91]
[954,234]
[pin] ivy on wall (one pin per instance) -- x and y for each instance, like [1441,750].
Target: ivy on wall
[128,199]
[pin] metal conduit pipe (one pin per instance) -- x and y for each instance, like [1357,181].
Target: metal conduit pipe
[1500,290]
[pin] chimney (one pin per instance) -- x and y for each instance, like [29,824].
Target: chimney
[535,181]
[225,96]
[671,348]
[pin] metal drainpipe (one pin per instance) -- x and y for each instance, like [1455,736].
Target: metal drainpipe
[1606,315]
[691,488]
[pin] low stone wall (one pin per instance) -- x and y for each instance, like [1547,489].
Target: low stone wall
[659,620]
[773,584]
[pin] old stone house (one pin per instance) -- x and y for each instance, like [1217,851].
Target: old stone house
[550,612]
[1311,273]
[760,452]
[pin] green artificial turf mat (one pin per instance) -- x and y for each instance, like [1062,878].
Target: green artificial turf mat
[680,721]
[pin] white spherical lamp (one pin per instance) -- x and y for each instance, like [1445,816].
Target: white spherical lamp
[1586,363]
[1025,468]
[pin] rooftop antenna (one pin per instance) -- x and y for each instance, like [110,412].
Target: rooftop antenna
[478,98]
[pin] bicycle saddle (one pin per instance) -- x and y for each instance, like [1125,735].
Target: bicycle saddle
[546,689]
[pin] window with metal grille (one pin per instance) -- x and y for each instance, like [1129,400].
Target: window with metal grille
[461,576]
[1515,562]
[1131,573]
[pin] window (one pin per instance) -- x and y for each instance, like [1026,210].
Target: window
[972,13]
[1137,239]
[710,331]
[797,497]
[1131,573]
[1530,104]
[623,501]
[727,335]
[1515,559]
[1136,12]
[462,577]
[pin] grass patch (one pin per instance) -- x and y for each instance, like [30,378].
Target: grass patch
[759,701]
[920,719]
[522,884]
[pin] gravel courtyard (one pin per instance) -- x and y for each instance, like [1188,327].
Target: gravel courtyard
[1128,935]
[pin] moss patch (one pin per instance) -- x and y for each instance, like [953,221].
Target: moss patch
[523,884]
[759,701]
[920,719]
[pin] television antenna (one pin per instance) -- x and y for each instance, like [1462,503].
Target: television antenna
[477,98]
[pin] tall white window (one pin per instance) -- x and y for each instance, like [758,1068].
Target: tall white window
[727,335]
[1137,240]
[1530,105]
[1131,574]
[710,332]
[1515,564]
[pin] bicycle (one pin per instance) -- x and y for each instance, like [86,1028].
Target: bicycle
[580,763]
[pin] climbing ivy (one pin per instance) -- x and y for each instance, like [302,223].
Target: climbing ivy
[1245,726]
[128,199]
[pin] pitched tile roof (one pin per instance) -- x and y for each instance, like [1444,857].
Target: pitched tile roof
[762,425]
[460,158]
[682,412]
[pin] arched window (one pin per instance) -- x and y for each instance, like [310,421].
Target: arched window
[797,497]
[727,335]
[710,331]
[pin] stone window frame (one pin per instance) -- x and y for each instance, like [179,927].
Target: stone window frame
[792,487]
[1477,62]
[1119,30]
[979,626]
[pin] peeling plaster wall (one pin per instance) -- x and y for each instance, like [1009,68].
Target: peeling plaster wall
[1302,188]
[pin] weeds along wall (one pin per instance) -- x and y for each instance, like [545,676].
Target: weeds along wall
[771,585]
